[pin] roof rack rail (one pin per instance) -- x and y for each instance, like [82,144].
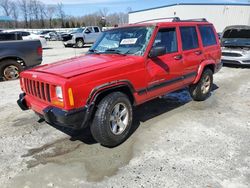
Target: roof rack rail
[193,20]
[173,19]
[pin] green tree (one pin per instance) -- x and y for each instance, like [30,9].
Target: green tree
[67,24]
[78,24]
[73,24]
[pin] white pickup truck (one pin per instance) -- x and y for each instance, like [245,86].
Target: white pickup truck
[81,36]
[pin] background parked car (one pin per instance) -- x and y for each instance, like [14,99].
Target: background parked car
[29,36]
[52,36]
[17,55]
[235,43]
[81,36]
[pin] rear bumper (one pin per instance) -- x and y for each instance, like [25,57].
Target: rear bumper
[218,67]
[75,119]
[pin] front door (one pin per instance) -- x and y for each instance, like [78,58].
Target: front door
[165,71]
[89,35]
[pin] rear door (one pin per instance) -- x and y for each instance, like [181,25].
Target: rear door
[210,43]
[165,72]
[191,51]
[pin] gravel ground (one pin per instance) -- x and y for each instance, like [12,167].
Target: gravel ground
[176,142]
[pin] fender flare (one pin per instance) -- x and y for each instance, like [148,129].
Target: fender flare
[109,86]
[202,67]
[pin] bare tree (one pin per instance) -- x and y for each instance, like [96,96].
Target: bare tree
[61,13]
[6,5]
[42,12]
[24,10]
[15,13]
[50,14]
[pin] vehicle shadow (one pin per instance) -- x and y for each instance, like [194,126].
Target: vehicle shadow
[142,113]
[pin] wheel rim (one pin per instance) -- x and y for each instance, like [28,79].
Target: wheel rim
[119,119]
[11,72]
[80,44]
[206,84]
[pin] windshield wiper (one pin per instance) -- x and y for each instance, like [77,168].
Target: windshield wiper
[114,51]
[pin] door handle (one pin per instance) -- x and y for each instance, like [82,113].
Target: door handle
[198,52]
[178,57]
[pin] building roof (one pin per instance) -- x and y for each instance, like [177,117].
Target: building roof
[6,19]
[202,4]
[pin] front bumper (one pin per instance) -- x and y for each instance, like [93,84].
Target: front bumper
[75,119]
[69,42]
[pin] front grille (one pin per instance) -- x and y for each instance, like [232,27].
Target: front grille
[230,62]
[67,37]
[37,89]
[231,54]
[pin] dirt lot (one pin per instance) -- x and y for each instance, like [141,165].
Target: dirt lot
[176,142]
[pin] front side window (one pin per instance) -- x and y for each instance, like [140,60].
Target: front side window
[129,40]
[24,34]
[90,29]
[207,35]
[189,38]
[167,38]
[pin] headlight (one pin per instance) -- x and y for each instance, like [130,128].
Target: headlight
[59,93]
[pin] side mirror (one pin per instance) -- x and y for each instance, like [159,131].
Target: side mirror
[157,51]
[87,32]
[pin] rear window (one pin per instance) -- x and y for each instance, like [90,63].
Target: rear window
[237,33]
[96,29]
[189,38]
[207,35]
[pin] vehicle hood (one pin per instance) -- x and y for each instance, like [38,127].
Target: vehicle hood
[84,64]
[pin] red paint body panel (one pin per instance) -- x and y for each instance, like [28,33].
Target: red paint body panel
[85,74]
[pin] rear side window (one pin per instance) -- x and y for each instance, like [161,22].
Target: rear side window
[167,38]
[96,29]
[24,34]
[207,35]
[189,38]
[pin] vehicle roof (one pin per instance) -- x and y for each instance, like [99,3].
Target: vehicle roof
[165,24]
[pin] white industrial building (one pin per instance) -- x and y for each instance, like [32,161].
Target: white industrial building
[221,15]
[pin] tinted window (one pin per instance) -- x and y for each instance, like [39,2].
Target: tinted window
[237,33]
[96,29]
[90,29]
[25,34]
[189,38]
[167,38]
[207,35]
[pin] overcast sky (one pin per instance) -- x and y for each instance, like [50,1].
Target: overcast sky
[82,7]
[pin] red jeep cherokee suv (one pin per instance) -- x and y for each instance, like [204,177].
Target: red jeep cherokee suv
[126,67]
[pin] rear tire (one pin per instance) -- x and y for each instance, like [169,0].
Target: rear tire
[201,90]
[10,70]
[79,43]
[112,120]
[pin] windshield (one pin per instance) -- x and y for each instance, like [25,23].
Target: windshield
[79,30]
[237,34]
[130,40]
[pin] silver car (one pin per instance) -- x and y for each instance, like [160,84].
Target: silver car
[235,44]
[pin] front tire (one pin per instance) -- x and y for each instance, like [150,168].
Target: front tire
[201,90]
[112,120]
[10,70]
[79,43]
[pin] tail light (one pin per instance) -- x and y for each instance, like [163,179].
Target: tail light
[40,51]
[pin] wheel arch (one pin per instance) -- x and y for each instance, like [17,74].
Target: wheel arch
[14,58]
[210,64]
[100,92]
